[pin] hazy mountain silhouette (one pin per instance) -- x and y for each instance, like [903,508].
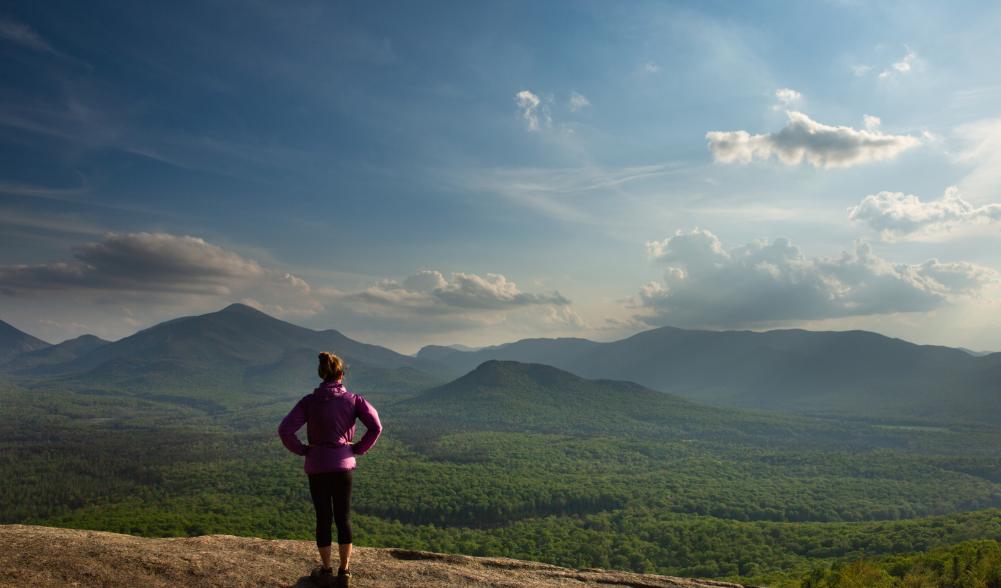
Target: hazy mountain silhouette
[55,354]
[513,396]
[850,373]
[236,349]
[14,342]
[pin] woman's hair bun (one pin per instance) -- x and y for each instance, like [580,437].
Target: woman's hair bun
[331,366]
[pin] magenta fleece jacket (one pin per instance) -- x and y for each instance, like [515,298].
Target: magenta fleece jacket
[329,414]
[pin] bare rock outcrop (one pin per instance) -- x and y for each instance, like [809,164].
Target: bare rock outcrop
[33,556]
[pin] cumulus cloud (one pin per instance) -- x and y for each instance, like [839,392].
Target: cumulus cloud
[124,281]
[871,122]
[806,139]
[706,284]
[533,110]
[429,290]
[895,215]
[651,67]
[431,302]
[578,101]
[788,96]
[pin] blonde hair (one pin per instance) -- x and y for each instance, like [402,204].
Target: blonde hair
[331,367]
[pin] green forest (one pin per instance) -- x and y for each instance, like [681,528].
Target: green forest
[660,485]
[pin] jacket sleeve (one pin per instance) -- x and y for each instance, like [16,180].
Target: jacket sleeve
[367,414]
[292,422]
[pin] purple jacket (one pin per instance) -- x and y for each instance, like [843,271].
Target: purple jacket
[329,415]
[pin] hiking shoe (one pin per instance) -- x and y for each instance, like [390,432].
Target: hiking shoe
[343,579]
[322,577]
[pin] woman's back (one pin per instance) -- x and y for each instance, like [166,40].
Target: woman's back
[329,414]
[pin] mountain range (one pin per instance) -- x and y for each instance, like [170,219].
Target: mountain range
[226,355]
[239,352]
[838,373]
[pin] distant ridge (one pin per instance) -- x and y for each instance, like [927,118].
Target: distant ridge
[846,373]
[56,354]
[14,342]
[238,350]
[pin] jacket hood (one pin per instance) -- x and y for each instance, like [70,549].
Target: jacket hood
[329,389]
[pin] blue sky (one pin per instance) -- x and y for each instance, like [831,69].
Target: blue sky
[457,172]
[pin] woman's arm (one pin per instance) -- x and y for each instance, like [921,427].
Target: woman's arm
[367,414]
[292,422]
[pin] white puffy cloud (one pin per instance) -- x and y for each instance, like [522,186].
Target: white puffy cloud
[431,302]
[895,215]
[806,139]
[430,291]
[651,67]
[533,110]
[788,96]
[762,282]
[578,101]
[871,122]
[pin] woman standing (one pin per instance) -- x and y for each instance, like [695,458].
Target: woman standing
[329,414]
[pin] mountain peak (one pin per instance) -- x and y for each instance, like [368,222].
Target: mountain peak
[241,308]
[14,341]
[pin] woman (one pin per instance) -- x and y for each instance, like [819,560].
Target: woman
[330,413]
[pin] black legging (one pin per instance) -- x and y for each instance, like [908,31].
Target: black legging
[331,492]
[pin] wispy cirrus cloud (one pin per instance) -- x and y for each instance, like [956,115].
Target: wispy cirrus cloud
[904,66]
[706,284]
[804,139]
[533,111]
[25,36]
[578,101]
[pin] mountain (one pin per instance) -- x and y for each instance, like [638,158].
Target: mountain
[59,353]
[520,397]
[849,373]
[228,354]
[47,556]
[14,342]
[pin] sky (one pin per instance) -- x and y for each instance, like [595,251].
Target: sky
[416,173]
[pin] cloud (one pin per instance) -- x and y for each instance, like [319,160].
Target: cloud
[788,96]
[705,284]
[805,139]
[860,70]
[904,66]
[979,147]
[25,36]
[578,101]
[157,267]
[651,67]
[896,215]
[533,111]
[431,302]
[871,122]
[429,290]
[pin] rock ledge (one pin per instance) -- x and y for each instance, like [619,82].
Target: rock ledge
[35,556]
